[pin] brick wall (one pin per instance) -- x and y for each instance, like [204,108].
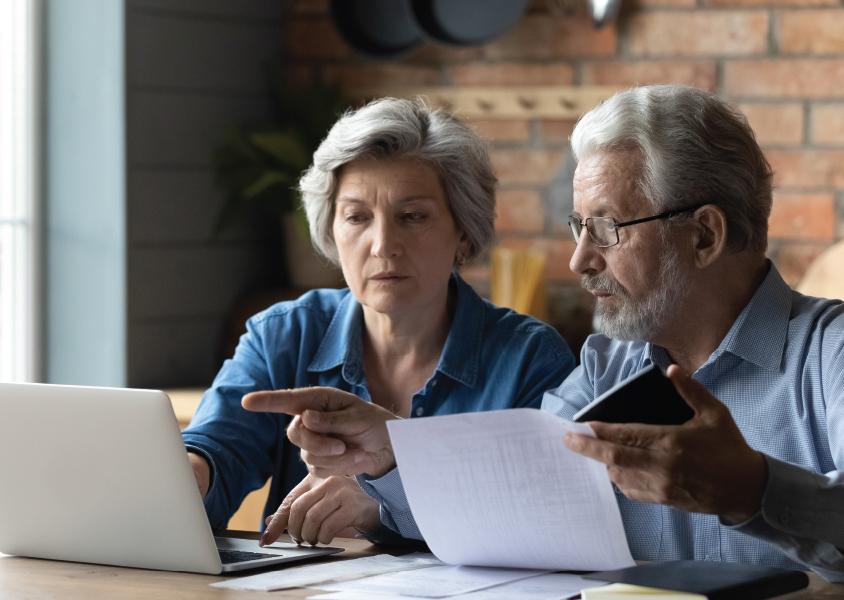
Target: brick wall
[781,61]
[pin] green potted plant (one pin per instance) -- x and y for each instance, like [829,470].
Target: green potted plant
[259,168]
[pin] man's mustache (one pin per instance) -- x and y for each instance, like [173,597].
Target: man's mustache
[601,283]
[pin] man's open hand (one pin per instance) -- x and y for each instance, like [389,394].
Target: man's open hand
[703,465]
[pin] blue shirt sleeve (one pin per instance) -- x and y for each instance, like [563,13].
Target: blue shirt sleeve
[238,444]
[802,512]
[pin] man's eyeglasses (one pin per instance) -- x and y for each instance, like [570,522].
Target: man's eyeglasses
[603,231]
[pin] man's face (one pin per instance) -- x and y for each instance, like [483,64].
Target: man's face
[638,283]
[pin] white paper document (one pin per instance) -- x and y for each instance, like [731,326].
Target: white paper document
[435,582]
[500,489]
[340,570]
[551,586]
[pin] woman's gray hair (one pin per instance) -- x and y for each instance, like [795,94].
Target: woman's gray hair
[695,149]
[391,128]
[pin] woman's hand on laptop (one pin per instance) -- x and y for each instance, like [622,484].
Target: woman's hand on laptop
[318,510]
[339,433]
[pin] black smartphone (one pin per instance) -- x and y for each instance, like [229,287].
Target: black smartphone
[646,397]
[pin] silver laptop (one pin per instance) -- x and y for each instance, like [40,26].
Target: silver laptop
[100,475]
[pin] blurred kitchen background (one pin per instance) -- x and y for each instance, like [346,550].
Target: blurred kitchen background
[146,146]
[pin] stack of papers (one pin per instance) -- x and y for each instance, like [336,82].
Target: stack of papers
[495,489]
[550,586]
[338,570]
[500,489]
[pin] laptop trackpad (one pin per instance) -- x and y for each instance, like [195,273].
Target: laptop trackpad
[282,552]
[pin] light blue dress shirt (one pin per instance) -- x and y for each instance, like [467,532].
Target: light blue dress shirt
[493,358]
[780,371]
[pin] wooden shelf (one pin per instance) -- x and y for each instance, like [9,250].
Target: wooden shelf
[550,102]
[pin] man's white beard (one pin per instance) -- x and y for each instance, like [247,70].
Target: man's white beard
[639,320]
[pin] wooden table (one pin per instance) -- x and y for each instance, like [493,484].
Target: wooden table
[35,579]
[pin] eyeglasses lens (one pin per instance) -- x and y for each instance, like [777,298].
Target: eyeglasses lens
[603,231]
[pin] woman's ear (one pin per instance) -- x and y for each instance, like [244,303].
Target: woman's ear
[710,234]
[463,248]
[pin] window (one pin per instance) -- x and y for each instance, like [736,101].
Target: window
[19,115]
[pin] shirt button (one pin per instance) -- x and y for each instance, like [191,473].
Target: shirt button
[420,411]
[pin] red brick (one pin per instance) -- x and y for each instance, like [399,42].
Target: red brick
[525,166]
[375,75]
[807,168]
[810,31]
[793,259]
[502,130]
[509,73]
[551,37]
[794,78]
[828,124]
[700,74]
[705,33]
[761,3]
[314,38]
[519,211]
[558,254]
[775,124]
[433,53]
[798,216]
[557,131]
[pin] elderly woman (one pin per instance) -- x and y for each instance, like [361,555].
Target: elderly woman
[398,195]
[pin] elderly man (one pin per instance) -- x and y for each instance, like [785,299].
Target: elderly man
[671,197]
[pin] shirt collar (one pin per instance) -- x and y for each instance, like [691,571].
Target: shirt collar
[460,359]
[759,333]
[461,355]
[342,343]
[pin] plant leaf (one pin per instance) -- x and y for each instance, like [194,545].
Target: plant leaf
[266,180]
[284,147]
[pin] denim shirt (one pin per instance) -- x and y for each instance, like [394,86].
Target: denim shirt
[493,358]
[780,372]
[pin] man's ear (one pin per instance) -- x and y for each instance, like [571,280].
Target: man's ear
[709,234]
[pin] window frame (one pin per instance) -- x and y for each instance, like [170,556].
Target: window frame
[20,193]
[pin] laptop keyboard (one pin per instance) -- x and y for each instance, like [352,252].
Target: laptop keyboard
[228,557]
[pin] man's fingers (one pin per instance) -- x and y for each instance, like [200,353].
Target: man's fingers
[609,453]
[313,443]
[351,420]
[639,436]
[295,401]
[692,391]
[353,462]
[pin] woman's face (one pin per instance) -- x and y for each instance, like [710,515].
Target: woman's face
[395,235]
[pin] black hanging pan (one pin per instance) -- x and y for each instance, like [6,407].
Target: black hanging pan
[467,22]
[379,28]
